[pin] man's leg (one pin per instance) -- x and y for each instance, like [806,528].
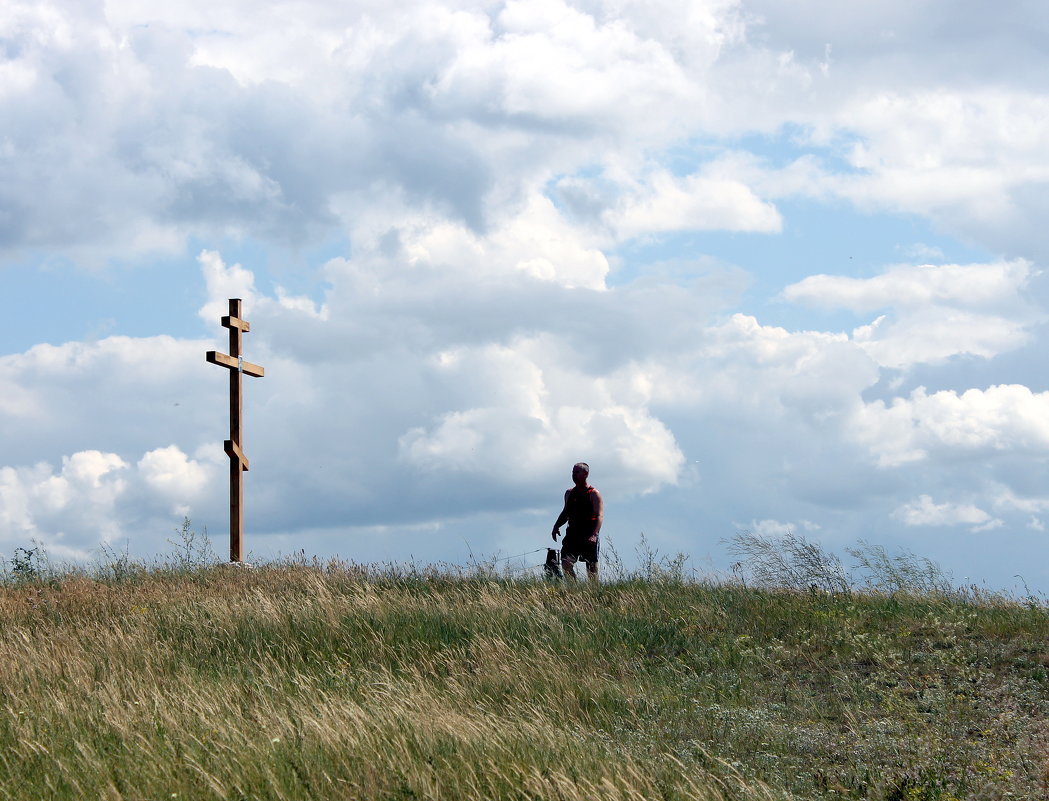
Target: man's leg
[568,568]
[591,570]
[590,556]
[568,559]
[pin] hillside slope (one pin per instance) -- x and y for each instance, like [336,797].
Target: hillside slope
[331,682]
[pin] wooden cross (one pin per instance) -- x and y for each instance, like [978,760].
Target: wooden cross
[238,462]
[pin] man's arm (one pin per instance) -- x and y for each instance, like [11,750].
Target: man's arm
[561,519]
[599,513]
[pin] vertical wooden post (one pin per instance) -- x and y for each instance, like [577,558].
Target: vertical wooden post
[236,473]
[234,446]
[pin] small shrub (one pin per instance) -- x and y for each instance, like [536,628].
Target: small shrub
[26,564]
[192,549]
[116,566]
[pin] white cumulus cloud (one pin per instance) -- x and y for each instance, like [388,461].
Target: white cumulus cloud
[1001,418]
[925,512]
[933,312]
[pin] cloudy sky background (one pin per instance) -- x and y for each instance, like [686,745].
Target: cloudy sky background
[762,265]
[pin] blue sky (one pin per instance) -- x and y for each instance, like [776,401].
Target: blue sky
[764,266]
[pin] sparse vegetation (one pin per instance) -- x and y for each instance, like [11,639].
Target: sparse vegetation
[26,564]
[338,681]
[787,562]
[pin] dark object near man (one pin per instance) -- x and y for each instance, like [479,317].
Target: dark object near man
[552,568]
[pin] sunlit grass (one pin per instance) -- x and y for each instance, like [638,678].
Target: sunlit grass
[334,681]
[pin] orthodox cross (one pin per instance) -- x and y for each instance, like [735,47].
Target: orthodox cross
[238,462]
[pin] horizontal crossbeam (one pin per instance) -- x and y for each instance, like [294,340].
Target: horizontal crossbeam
[233,451]
[222,360]
[235,322]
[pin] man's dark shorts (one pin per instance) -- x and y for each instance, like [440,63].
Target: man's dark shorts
[575,548]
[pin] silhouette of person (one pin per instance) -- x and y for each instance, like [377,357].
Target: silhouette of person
[584,512]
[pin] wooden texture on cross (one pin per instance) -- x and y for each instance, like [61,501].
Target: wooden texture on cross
[234,446]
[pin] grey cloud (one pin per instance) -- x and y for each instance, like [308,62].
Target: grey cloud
[1022,232]
[119,391]
[386,307]
[375,362]
[898,43]
[433,164]
[147,139]
[169,144]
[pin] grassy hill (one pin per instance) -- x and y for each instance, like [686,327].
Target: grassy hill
[336,682]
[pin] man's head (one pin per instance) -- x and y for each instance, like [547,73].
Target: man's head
[580,472]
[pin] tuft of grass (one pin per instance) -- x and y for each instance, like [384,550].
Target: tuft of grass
[788,562]
[333,680]
[904,572]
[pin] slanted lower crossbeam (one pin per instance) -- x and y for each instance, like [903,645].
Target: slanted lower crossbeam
[223,360]
[234,446]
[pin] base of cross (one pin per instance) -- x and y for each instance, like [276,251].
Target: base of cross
[241,565]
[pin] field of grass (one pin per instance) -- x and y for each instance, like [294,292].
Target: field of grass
[333,681]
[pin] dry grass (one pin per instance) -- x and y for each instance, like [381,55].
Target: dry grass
[331,682]
[301,683]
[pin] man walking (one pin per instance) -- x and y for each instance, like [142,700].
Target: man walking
[584,512]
